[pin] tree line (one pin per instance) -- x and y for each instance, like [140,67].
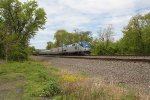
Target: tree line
[135,40]
[62,37]
[19,22]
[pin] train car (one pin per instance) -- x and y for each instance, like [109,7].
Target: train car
[82,48]
[42,52]
[77,48]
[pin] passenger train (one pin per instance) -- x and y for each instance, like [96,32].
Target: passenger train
[81,48]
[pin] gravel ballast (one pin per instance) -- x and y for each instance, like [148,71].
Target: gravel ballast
[133,74]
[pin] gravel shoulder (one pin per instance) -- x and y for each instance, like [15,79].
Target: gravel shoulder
[133,74]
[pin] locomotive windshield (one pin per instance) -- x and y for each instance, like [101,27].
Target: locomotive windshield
[85,44]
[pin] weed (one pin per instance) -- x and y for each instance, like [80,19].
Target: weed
[130,96]
[71,78]
[51,89]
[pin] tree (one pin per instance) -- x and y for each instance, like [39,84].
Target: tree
[101,35]
[146,31]
[18,24]
[108,33]
[50,45]
[85,36]
[103,45]
[136,39]
[61,36]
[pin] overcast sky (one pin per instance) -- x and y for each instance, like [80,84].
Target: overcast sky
[86,15]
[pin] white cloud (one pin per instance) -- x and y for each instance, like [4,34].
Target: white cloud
[86,15]
[98,6]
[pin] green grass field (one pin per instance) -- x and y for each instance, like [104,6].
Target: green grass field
[27,81]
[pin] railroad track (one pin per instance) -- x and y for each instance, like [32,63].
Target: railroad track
[108,58]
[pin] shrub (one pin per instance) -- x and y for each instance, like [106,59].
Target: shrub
[51,89]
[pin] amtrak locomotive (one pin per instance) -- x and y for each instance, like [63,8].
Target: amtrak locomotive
[81,48]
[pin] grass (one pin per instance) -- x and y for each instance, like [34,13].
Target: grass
[87,89]
[32,80]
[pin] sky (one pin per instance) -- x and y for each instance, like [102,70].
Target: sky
[86,15]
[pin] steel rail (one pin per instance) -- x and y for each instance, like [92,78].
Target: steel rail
[107,58]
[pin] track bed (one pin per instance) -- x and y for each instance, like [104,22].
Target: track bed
[133,74]
[109,58]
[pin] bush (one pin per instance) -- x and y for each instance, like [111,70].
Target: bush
[51,89]
[20,53]
[102,49]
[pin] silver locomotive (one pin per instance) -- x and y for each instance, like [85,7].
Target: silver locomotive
[81,48]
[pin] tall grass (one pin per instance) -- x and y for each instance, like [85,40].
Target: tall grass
[81,88]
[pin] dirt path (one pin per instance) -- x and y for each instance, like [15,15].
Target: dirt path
[1,61]
[136,75]
[11,87]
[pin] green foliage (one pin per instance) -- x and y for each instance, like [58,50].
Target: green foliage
[104,44]
[63,37]
[18,24]
[18,53]
[30,50]
[136,35]
[136,39]
[50,45]
[51,89]
[102,49]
